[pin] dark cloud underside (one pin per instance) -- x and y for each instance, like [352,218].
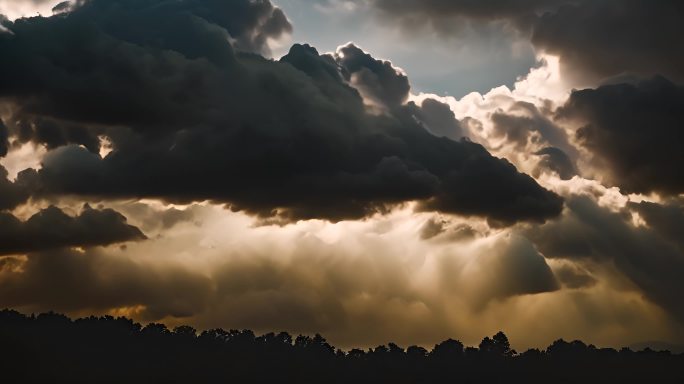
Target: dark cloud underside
[51,229]
[191,118]
[67,280]
[591,233]
[637,130]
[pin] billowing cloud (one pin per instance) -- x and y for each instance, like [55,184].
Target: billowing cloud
[509,266]
[438,118]
[189,119]
[316,276]
[169,112]
[556,160]
[4,140]
[582,33]
[377,80]
[51,228]
[591,233]
[634,130]
[666,219]
[94,281]
[12,193]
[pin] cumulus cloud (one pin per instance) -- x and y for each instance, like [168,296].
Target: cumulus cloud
[51,228]
[438,118]
[508,266]
[4,139]
[634,130]
[554,159]
[666,219]
[191,119]
[583,35]
[13,193]
[377,80]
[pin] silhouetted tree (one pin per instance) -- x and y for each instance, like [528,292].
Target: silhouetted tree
[51,348]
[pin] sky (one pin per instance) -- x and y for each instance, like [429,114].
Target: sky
[372,170]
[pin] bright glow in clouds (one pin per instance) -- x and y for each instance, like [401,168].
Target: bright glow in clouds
[22,157]
[359,283]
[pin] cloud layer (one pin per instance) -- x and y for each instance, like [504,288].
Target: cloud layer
[52,229]
[191,118]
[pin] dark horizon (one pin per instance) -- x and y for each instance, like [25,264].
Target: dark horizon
[643,346]
[108,349]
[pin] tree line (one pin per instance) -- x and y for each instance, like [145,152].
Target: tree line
[51,348]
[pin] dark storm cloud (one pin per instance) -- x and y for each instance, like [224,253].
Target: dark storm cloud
[383,84]
[666,219]
[609,37]
[52,132]
[574,277]
[175,25]
[376,79]
[14,193]
[516,269]
[51,228]
[591,233]
[4,140]
[554,159]
[594,38]
[438,118]
[636,129]
[524,124]
[190,119]
[93,280]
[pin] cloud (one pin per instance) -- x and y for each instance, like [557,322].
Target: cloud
[574,277]
[582,33]
[14,193]
[51,228]
[377,80]
[591,233]
[94,280]
[554,159]
[4,140]
[53,133]
[666,219]
[299,278]
[634,130]
[524,125]
[507,266]
[317,276]
[438,118]
[191,119]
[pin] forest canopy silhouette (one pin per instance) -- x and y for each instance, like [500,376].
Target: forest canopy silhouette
[51,347]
